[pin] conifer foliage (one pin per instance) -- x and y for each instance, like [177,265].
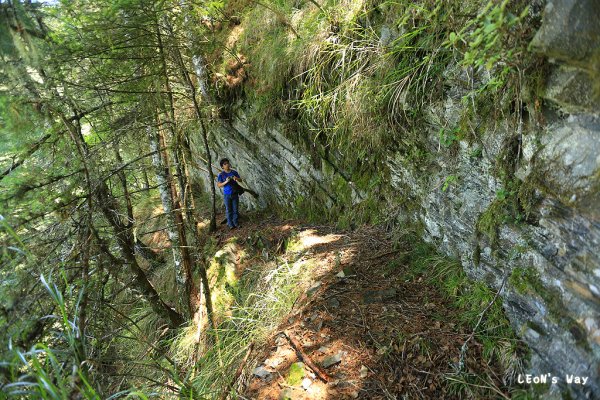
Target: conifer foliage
[94,160]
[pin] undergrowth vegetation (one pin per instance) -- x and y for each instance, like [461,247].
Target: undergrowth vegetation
[480,310]
[250,308]
[196,363]
[52,373]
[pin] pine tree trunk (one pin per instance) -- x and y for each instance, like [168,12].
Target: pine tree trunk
[163,180]
[187,155]
[74,129]
[200,71]
[190,290]
[201,74]
[211,176]
[145,177]
[126,243]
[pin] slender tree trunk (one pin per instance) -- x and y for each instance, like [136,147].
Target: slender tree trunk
[211,176]
[140,248]
[200,70]
[187,154]
[145,177]
[74,129]
[191,292]
[85,274]
[126,243]
[170,112]
[163,179]
[123,180]
[156,260]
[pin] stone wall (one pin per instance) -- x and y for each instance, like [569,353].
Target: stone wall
[546,261]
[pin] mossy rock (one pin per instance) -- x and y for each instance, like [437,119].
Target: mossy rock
[295,374]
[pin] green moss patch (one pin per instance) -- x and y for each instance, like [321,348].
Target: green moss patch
[295,374]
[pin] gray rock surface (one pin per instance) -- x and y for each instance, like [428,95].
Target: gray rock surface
[570,31]
[571,161]
[261,372]
[572,89]
[570,35]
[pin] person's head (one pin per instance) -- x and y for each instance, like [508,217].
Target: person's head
[225,165]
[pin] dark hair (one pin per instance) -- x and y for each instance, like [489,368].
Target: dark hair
[223,161]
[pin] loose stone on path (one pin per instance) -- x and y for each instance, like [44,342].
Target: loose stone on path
[378,296]
[261,372]
[332,360]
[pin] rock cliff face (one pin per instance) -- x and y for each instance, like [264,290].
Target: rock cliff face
[535,237]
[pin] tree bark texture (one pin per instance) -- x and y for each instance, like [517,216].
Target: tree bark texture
[124,236]
[201,259]
[190,290]
[186,157]
[202,77]
[163,180]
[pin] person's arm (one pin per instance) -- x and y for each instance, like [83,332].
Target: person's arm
[220,183]
[237,177]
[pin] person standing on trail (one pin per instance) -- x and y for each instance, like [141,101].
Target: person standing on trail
[226,180]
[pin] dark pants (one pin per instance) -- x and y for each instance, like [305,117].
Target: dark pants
[231,209]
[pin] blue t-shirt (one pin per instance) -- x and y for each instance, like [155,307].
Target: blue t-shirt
[227,189]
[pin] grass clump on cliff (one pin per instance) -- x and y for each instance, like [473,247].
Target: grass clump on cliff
[362,88]
[346,66]
[274,37]
[344,70]
[356,75]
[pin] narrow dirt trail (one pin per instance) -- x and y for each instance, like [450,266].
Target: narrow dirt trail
[363,327]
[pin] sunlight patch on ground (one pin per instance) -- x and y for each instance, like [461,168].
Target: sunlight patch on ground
[309,238]
[222,278]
